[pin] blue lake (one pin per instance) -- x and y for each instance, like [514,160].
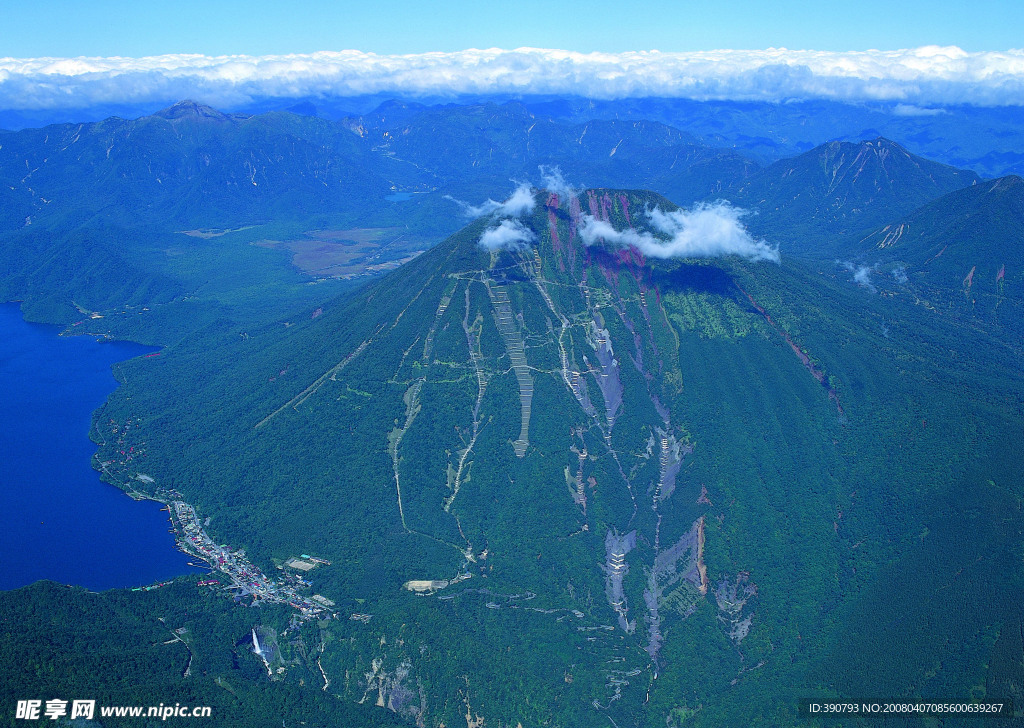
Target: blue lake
[61,522]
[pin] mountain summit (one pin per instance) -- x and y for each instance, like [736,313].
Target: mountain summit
[841,188]
[189,109]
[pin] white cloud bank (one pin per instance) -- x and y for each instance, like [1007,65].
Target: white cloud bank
[915,77]
[706,231]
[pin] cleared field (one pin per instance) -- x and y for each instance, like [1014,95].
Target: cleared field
[350,253]
[207,233]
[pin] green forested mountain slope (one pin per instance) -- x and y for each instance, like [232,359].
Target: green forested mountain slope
[651,491]
[963,252]
[178,645]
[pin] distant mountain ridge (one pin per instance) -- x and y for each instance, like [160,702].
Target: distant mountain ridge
[193,165]
[985,139]
[189,109]
[188,164]
[468,142]
[840,188]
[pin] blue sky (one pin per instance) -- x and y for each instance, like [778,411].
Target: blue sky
[69,28]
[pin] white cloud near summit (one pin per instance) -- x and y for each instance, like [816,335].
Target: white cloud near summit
[706,231]
[519,203]
[916,78]
[507,235]
[553,181]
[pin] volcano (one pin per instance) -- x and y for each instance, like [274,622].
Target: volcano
[558,481]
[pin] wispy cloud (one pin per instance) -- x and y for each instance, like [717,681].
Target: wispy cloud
[520,202]
[915,77]
[911,110]
[861,274]
[553,181]
[508,235]
[706,231]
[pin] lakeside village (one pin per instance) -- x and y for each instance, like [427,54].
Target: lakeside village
[246,578]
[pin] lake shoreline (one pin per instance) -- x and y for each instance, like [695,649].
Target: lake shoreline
[64,529]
